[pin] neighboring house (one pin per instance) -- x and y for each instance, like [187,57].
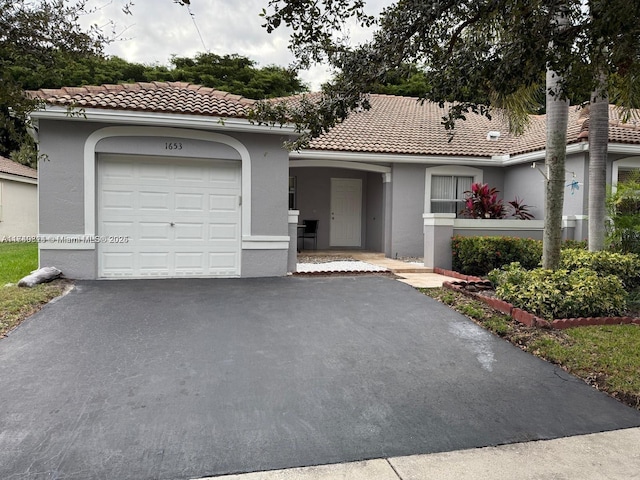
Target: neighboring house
[175,181]
[18,200]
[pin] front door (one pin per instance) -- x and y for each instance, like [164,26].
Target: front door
[346,212]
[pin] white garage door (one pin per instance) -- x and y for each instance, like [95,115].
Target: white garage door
[168,217]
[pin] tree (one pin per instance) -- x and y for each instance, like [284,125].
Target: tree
[35,37]
[481,55]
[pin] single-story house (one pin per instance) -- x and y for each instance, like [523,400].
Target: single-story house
[172,180]
[18,200]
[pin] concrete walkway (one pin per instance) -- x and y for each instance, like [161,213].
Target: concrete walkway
[412,274]
[600,456]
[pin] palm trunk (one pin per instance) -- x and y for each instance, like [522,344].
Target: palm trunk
[556,151]
[598,146]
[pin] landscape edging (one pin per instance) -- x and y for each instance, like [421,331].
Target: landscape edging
[520,315]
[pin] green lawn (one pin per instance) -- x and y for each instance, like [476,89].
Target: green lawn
[607,357]
[16,261]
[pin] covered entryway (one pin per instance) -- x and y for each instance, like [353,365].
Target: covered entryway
[348,199]
[168,217]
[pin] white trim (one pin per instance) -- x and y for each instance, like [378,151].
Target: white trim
[339,164]
[625,148]
[159,119]
[293,216]
[628,162]
[497,224]
[18,178]
[453,170]
[438,219]
[541,154]
[90,165]
[265,242]
[386,178]
[391,158]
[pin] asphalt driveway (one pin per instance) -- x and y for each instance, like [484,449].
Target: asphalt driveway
[175,379]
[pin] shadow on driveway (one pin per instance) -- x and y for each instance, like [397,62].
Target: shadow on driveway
[174,379]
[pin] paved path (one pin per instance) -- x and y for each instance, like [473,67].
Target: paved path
[177,379]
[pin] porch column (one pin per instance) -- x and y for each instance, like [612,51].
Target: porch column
[292,259]
[575,227]
[386,214]
[438,230]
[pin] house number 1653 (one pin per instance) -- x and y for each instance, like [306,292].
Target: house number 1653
[173,146]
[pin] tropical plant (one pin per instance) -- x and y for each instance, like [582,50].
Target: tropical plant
[482,202]
[520,209]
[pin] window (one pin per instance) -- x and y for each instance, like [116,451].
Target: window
[447,193]
[293,201]
[444,187]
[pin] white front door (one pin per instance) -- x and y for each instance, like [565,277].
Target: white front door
[346,212]
[168,217]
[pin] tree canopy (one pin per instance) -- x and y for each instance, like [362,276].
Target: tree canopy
[42,45]
[480,54]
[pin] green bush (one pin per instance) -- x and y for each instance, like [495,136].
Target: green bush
[479,255]
[625,266]
[562,293]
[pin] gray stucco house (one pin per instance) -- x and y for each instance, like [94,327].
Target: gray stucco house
[172,180]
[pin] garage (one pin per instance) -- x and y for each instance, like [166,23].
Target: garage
[168,217]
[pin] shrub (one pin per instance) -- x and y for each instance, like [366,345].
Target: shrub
[625,267]
[483,202]
[561,293]
[479,255]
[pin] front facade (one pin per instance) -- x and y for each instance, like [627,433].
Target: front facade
[184,186]
[170,180]
[414,175]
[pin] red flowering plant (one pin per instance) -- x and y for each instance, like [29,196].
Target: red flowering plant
[483,202]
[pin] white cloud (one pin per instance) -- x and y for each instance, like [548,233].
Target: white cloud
[161,28]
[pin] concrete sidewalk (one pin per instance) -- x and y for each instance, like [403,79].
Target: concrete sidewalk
[606,456]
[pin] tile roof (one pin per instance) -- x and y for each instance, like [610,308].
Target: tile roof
[164,97]
[15,168]
[404,125]
[393,125]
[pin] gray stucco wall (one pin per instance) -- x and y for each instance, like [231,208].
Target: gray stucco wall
[375,218]
[407,226]
[528,184]
[61,199]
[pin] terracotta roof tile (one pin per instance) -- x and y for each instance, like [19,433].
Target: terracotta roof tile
[169,97]
[404,125]
[15,168]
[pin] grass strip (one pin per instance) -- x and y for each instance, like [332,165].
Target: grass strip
[605,356]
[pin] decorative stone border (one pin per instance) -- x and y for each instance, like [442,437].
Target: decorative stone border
[473,286]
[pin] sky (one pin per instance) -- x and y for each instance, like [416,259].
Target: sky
[159,28]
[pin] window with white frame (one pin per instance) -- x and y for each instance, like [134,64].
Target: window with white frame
[621,169]
[444,187]
[447,193]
